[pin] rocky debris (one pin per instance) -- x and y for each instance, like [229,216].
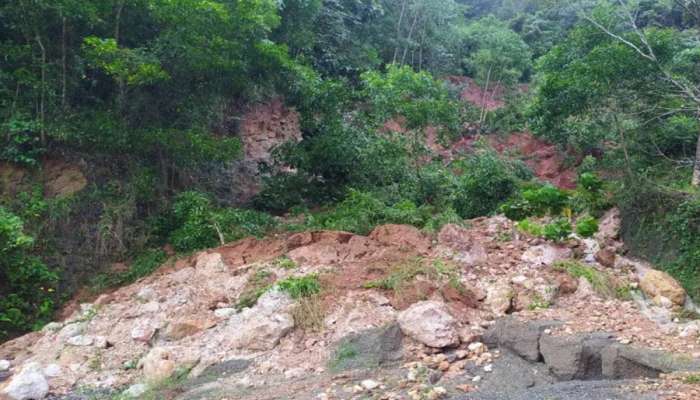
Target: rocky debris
[262,326]
[609,227]
[28,384]
[460,244]
[545,254]
[404,236]
[430,323]
[657,284]
[606,257]
[499,298]
[523,338]
[368,349]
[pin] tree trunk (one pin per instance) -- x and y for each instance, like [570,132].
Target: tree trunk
[63,62]
[42,101]
[398,31]
[409,38]
[696,166]
[484,95]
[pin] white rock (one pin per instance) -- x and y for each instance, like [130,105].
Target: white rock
[294,373]
[52,371]
[28,384]
[476,379]
[4,365]
[519,280]
[143,332]
[136,391]
[369,384]
[71,330]
[146,294]
[80,340]
[488,368]
[545,254]
[430,323]
[224,312]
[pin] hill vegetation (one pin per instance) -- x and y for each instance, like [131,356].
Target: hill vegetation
[146,97]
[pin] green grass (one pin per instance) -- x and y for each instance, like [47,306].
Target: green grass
[692,379]
[346,351]
[259,283]
[285,262]
[300,287]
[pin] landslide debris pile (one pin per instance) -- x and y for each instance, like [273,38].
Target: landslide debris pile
[478,311]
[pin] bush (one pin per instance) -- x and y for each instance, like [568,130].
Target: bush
[197,224]
[546,199]
[531,228]
[558,230]
[485,182]
[586,226]
[27,285]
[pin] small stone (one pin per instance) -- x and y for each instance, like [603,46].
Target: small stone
[461,354]
[437,392]
[488,368]
[477,348]
[4,365]
[444,366]
[52,327]
[142,333]
[369,384]
[476,378]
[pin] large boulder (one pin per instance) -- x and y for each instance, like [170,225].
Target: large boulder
[261,327]
[158,365]
[521,337]
[575,357]
[656,283]
[457,242]
[28,384]
[430,323]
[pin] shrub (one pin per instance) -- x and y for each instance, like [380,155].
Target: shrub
[21,142]
[197,224]
[546,199]
[586,226]
[485,182]
[590,194]
[558,230]
[600,281]
[27,285]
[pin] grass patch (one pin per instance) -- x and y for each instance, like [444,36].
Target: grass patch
[538,303]
[600,281]
[300,287]
[406,272]
[143,265]
[346,351]
[693,379]
[285,262]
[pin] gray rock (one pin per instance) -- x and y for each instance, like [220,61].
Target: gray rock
[628,362]
[368,349]
[135,391]
[523,338]
[575,357]
[220,370]
[511,374]
[574,390]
